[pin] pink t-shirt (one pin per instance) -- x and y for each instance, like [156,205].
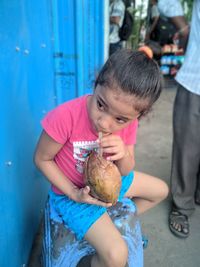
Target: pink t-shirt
[69,124]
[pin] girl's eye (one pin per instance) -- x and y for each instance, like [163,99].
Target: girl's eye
[99,105]
[120,121]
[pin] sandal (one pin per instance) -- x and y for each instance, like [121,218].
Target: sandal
[178,224]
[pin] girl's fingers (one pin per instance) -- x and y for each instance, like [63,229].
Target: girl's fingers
[111,150]
[94,201]
[113,153]
[114,157]
[110,140]
[86,190]
[87,198]
[109,143]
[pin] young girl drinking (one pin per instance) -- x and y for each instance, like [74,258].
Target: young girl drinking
[125,90]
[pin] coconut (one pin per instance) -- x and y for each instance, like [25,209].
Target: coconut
[103,178]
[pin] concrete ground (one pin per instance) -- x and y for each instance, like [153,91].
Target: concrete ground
[153,156]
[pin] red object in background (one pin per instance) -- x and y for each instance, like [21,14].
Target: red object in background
[173,71]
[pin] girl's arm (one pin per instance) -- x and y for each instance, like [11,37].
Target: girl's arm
[127,162]
[152,28]
[45,152]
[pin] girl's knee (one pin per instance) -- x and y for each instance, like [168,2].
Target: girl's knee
[163,190]
[117,255]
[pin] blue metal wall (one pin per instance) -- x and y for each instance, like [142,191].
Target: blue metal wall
[50,51]
[26,91]
[79,45]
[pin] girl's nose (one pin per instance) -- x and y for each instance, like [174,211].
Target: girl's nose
[104,123]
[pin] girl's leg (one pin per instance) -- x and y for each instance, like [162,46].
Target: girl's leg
[108,242]
[147,191]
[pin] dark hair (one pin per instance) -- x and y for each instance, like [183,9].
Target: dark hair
[134,73]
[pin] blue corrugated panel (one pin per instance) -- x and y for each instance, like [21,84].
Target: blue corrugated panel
[26,93]
[49,50]
[79,45]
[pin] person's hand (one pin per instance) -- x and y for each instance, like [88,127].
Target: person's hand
[82,195]
[114,146]
[181,37]
[176,38]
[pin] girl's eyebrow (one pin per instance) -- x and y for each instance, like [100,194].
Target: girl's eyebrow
[103,102]
[106,106]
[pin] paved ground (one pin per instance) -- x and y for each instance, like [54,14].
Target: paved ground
[153,156]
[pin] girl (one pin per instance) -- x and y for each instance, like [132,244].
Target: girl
[125,90]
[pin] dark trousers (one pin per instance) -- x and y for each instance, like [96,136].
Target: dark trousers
[185,173]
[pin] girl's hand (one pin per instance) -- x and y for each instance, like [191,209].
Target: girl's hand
[82,195]
[114,146]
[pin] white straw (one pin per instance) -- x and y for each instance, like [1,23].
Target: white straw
[100,149]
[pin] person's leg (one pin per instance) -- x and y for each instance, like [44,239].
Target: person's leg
[110,246]
[186,150]
[197,193]
[185,159]
[147,191]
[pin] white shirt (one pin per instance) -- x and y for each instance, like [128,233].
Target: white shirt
[170,8]
[189,74]
[117,9]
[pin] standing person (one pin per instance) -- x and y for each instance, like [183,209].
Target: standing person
[185,175]
[117,11]
[173,11]
[154,16]
[125,90]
